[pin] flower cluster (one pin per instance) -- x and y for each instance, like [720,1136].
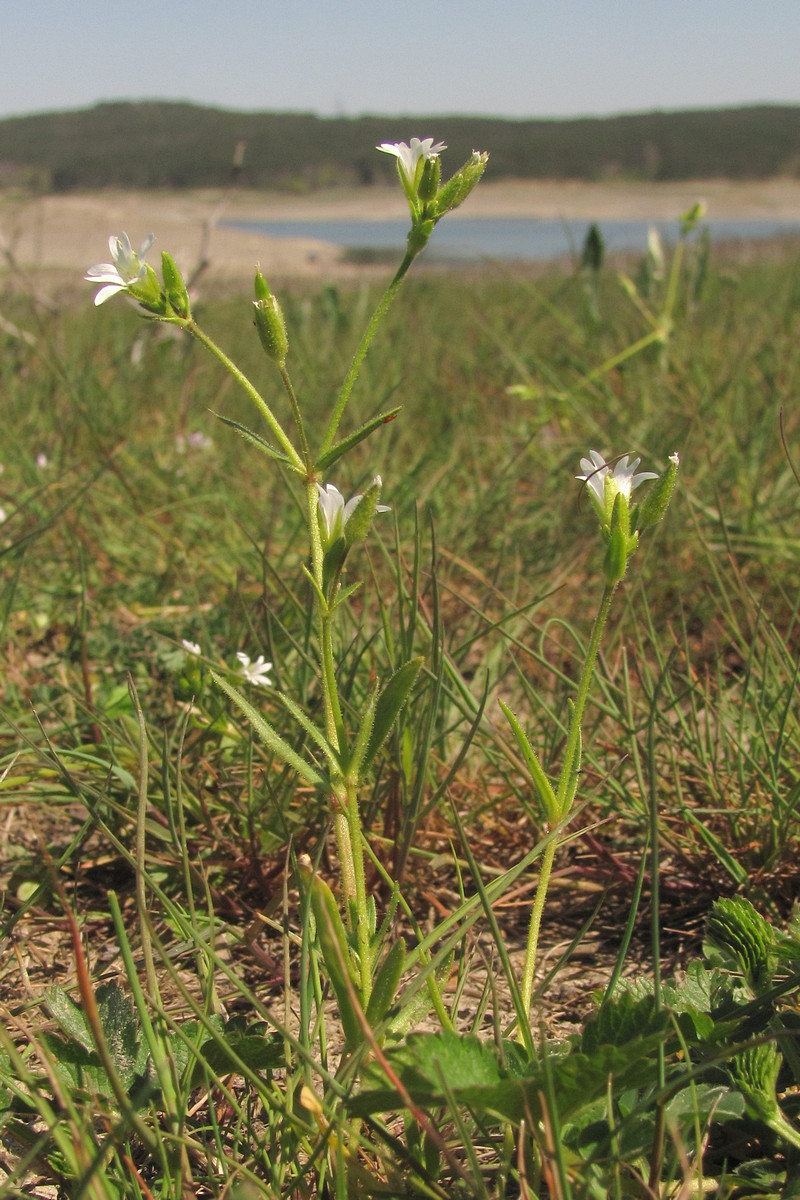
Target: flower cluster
[610,486]
[420,175]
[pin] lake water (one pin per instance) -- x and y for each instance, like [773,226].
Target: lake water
[522,238]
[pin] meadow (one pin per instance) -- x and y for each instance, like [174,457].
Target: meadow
[185,1005]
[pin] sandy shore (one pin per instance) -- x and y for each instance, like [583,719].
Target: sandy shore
[69,233]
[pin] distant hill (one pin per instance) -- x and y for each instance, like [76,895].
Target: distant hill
[156,144]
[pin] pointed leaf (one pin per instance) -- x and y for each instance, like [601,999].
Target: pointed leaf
[386,981]
[392,699]
[254,439]
[269,736]
[331,456]
[335,951]
[311,729]
[543,786]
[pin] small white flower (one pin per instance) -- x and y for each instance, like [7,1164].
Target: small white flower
[335,512]
[411,159]
[192,648]
[3,515]
[41,461]
[604,481]
[127,267]
[255,672]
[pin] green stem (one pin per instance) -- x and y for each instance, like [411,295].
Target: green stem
[535,926]
[253,392]
[361,352]
[564,797]
[573,738]
[362,921]
[298,420]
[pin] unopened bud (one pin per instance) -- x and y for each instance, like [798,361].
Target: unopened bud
[269,321]
[689,220]
[431,179]
[657,500]
[456,190]
[174,287]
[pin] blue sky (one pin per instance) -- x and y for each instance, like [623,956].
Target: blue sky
[506,57]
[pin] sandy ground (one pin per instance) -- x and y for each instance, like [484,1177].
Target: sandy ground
[69,233]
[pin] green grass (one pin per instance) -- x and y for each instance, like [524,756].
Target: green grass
[156,870]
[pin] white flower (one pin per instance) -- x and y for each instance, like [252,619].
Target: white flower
[604,481]
[255,672]
[127,267]
[336,513]
[41,461]
[410,157]
[3,515]
[192,648]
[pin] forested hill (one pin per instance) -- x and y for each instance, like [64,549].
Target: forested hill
[159,144]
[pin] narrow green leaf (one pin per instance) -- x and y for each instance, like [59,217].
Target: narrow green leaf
[335,951]
[356,760]
[386,981]
[254,439]
[268,735]
[311,729]
[543,786]
[331,456]
[392,699]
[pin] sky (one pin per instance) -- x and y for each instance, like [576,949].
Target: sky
[513,58]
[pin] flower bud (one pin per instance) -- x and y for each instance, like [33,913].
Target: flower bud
[174,287]
[269,322]
[456,190]
[431,179]
[689,220]
[657,500]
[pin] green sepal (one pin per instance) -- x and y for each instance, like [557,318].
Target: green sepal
[174,287]
[360,520]
[255,440]
[335,950]
[261,287]
[456,190]
[418,236]
[384,988]
[544,789]
[148,293]
[331,456]
[332,564]
[391,700]
[616,558]
[269,736]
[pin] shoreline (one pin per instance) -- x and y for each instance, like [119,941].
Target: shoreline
[68,233]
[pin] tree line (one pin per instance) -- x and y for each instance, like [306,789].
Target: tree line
[158,144]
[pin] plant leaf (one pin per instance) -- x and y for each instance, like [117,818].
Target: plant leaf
[331,456]
[390,701]
[269,736]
